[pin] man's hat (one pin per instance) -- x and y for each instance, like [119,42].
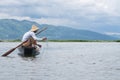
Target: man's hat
[34,28]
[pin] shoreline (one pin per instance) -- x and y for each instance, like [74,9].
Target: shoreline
[66,41]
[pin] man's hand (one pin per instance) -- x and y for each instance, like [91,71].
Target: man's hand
[44,39]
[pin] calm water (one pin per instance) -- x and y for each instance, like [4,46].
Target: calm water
[63,61]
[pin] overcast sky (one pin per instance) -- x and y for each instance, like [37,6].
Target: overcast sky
[97,15]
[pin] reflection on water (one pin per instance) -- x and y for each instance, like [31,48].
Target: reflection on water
[63,61]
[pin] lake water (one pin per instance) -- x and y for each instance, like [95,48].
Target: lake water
[63,61]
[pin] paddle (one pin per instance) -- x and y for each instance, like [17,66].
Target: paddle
[11,50]
[41,30]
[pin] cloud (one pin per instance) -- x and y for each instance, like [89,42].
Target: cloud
[6,16]
[112,33]
[86,14]
[56,22]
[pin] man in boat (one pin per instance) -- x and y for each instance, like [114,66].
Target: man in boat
[31,38]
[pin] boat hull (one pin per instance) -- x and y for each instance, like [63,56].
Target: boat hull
[28,52]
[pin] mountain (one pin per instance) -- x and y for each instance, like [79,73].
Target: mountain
[14,29]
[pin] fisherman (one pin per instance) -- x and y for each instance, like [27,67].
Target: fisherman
[31,38]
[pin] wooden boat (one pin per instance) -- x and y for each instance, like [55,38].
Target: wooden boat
[28,52]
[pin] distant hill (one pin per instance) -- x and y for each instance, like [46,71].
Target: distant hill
[14,29]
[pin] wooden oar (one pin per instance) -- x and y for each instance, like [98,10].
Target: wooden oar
[41,30]
[11,50]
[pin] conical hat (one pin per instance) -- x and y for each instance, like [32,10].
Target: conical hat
[34,28]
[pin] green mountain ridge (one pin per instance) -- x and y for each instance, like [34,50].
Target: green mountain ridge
[14,29]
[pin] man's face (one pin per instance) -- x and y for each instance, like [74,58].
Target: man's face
[36,31]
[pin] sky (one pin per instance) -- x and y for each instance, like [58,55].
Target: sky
[96,15]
